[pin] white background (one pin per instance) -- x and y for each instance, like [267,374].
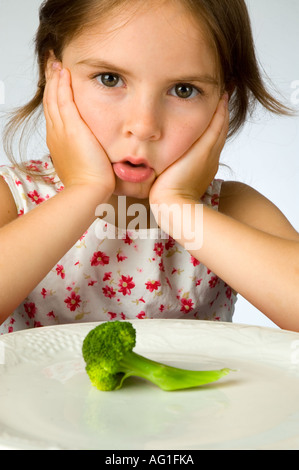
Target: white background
[264,155]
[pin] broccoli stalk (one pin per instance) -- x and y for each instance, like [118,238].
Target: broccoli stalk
[110,359]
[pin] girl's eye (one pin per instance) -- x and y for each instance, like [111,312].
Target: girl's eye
[185,91]
[109,80]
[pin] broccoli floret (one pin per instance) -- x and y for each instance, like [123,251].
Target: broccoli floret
[108,353]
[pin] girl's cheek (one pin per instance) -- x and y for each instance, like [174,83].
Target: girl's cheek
[98,118]
[182,139]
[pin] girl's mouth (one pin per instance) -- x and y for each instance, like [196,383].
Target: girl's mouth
[133,172]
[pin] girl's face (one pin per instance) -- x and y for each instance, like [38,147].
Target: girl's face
[146,85]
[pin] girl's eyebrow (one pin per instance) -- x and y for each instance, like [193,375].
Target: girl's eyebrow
[100,64]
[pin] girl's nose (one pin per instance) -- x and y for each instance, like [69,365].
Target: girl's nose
[143,121]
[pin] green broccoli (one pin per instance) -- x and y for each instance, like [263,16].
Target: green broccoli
[108,353]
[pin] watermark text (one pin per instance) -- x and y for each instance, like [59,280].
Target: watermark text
[181,222]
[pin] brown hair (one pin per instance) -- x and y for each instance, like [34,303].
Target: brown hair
[227,22]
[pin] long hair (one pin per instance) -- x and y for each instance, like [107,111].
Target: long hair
[227,23]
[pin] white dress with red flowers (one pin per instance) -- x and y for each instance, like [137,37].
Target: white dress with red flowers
[105,277]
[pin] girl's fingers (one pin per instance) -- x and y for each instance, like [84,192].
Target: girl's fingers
[45,102]
[67,108]
[222,122]
[216,133]
[50,99]
[212,141]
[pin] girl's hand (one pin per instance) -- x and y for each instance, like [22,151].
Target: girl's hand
[190,176]
[77,155]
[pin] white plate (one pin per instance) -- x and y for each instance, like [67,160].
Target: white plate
[47,401]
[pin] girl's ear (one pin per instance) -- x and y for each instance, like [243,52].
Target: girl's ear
[49,62]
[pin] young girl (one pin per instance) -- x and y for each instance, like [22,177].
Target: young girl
[139,98]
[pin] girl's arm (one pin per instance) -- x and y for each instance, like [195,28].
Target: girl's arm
[33,243]
[263,267]
[249,244]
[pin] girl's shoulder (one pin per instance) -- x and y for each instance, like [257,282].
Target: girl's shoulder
[29,184]
[8,208]
[245,204]
[32,170]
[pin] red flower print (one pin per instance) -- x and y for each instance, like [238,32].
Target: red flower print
[107,277]
[194,261]
[122,316]
[228,293]
[153,285]
[198,282]
[161,266]
[141,315]
[187,305]
[213,282]
[92,283]
[48,179]
[99,258]
[127,239]
[112,315]
[159,248]
[51,315]
[83,236]
[35,197]
[18,182]
[30,309]
[45,292]
[60,271]
[10,328]
[33,166]
[215,199]
[126,285]
[170,243]
[108,292]
[120,257]
[161,308]
[73,301]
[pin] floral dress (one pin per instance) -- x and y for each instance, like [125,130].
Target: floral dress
[121,277]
